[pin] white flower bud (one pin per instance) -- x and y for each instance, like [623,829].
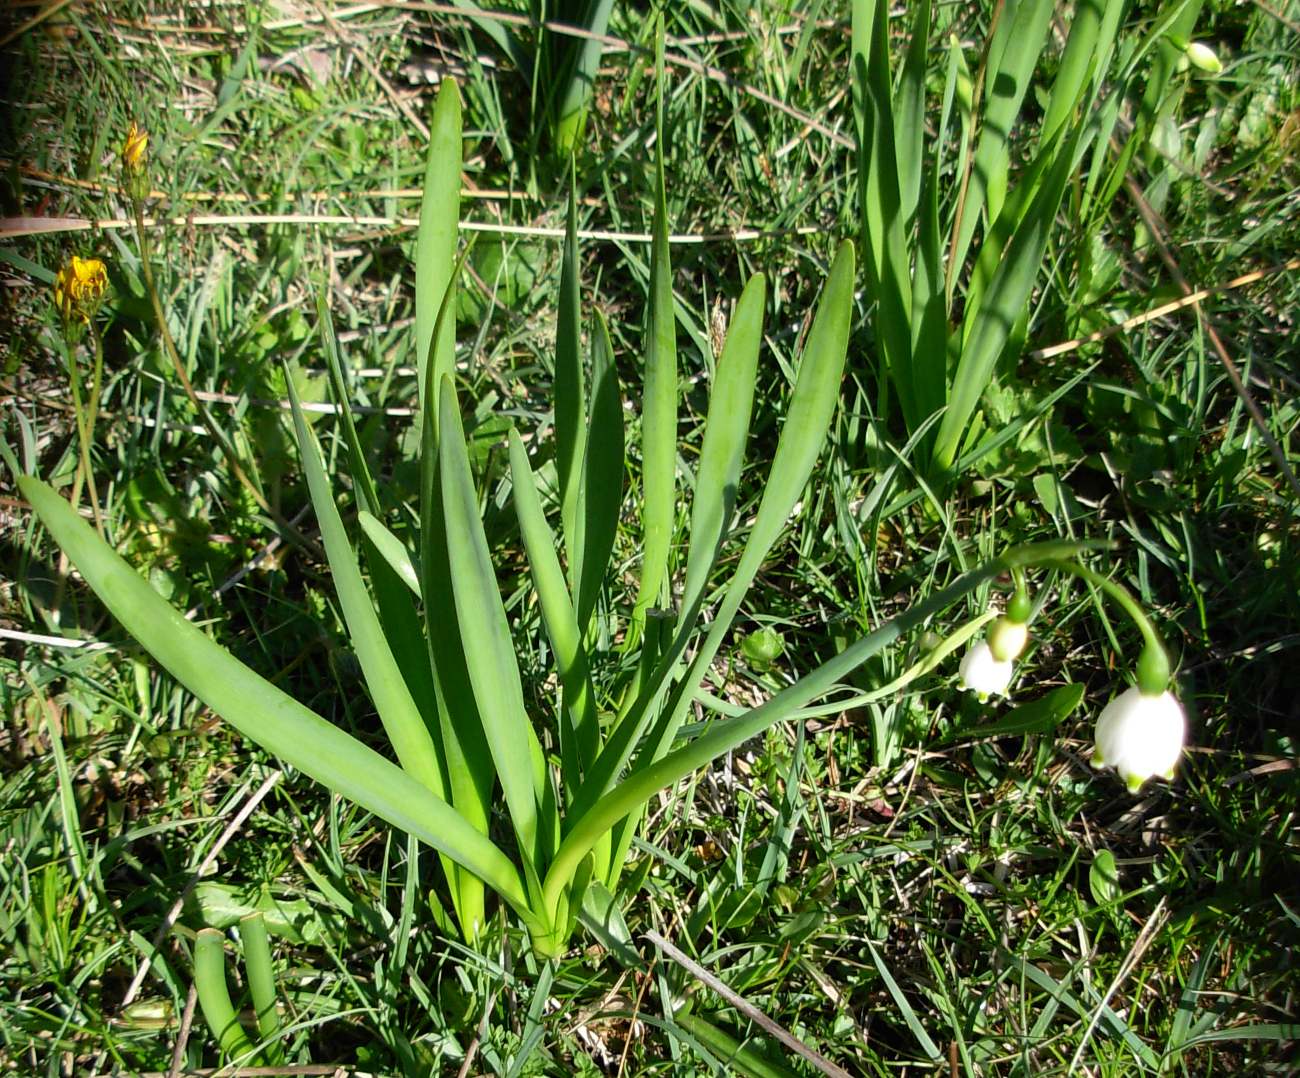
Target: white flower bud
[1203,58]
[1140,736]
[982,674]
[1007,639]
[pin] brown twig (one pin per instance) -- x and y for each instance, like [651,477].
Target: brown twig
[183,1036]
[746,1008]
[236,822]
[1191,299]
[1156,226]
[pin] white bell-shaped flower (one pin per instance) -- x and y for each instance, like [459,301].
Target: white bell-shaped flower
[983,674]
[1140,735]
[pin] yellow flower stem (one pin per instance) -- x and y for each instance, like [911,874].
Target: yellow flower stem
[169,346]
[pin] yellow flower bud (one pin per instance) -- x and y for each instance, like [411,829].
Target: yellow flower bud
[78,290]
[133,149]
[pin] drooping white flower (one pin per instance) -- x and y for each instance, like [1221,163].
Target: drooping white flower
[983,674]
[1140,735]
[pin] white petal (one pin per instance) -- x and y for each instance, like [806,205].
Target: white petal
[1141,736]
[981,673]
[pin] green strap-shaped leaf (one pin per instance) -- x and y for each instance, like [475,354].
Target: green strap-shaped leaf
[600,501]
[1006,300]
[571,115]
[659,405]
[1013,53]
[214,996]
[365,484]
[910,109]
[485,632]
[726,432]
[722,737]
[471,775]
[402,720]
[392,550]
[435,245]
[570,393]
[807,422]
[264,713]
[884,257]
[579,724]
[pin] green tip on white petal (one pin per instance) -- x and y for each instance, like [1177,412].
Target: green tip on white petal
[1134,783]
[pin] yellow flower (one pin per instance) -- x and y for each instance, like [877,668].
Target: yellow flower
[133,149]
[78,289]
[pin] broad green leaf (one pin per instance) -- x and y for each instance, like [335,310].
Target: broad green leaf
[579,725]
[600,499]
[581,76]
[642,783]
[1013,53]
[471,775]
[570,393]
[1039,716]
[392,550]
[261,984]
[485,632]
[366,492]
[885,257]
[1103,878]
[264,713]
[659,403]
[726,432]
[214,996]
[736,1056]
[807,422]
[910,107]
[435,245]
[1007,299]
[402,720]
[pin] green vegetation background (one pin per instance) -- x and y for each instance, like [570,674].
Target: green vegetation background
[986,897]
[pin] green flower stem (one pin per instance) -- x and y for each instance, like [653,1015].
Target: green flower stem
[85,416]
[214,996]
[928,662]
[1153,663]
[722,737]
